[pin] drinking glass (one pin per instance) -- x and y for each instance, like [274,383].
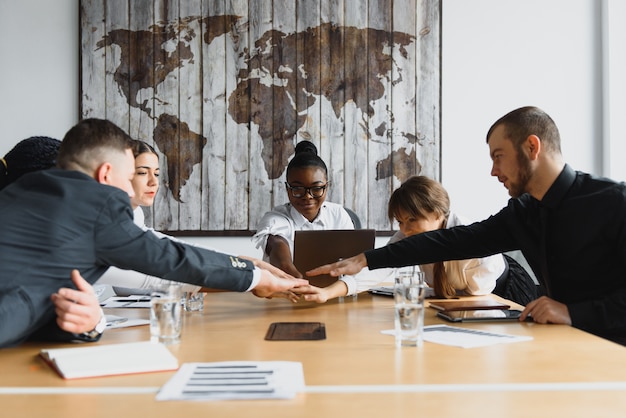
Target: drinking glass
[194,301]
[165,314]
[409,294]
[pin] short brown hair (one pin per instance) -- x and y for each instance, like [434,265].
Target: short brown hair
[90,142]
[520,123]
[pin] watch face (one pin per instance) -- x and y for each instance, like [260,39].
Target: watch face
[91,334]
[99,329]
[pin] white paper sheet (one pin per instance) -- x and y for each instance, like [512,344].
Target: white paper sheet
[114,321]
[138,301]
[234,380]
[464,337]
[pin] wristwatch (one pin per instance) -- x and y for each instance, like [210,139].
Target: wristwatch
[95,333]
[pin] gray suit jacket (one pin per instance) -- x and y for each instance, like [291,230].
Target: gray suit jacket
[57,220]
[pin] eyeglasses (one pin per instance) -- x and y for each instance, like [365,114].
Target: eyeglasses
[300,191]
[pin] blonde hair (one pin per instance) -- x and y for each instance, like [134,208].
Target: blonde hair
[419,196]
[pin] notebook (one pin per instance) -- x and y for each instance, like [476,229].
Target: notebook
[113,359]
[315,248]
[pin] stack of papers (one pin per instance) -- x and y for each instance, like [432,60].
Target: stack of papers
[114,321]
[234,380]
[112,359]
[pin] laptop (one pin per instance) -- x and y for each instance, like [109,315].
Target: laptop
[315,248]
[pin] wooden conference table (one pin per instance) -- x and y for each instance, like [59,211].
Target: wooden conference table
[356,371]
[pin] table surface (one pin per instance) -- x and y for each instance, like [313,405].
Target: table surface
[358,369]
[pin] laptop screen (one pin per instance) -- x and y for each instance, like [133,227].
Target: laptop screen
[315,248]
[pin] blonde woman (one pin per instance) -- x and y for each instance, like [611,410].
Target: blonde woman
[420,205]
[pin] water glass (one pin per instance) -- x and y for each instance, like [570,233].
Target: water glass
[165,314]
[409,294]
[194,301]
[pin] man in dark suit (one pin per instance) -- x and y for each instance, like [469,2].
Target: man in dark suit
[78,216]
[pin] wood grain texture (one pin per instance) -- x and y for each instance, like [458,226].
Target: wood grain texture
[224,89]
[356,370]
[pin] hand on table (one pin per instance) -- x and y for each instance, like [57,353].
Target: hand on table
[547,311]
[274,282]
[312,293]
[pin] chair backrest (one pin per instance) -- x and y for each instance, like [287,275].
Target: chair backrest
[355,218]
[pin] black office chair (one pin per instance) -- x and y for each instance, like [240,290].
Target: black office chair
[355,218]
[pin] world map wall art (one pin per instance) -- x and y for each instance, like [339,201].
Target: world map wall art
[225,89]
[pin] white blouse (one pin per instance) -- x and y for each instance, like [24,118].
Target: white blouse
[476,276]
[133,279]
[285,220]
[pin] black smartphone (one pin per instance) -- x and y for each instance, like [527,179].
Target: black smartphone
[481,315]
[382,291]
[291,331]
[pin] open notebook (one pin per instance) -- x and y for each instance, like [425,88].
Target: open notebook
[315,248]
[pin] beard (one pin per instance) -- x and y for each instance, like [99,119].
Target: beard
[519,186]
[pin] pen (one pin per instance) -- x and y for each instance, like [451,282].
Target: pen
[140,299]
[116,321]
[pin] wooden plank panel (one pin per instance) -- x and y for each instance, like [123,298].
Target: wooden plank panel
[141,70]
[191,140]
[355,108]
[404,135]
[332,90]
[285,115]
[260,103]
[380,44]
[237,135]
[141,50]
[117,69]
[311,72]
[234,90]
[305,71]
[214,114]
[92,57]
[167,130]
[428,75]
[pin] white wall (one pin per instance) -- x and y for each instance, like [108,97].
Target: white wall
[497,55]
[39,70]
[614,32]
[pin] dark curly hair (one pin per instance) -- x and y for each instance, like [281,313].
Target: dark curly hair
[31,154]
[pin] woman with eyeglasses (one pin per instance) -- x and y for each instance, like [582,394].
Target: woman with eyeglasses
[307,187]
[420,205]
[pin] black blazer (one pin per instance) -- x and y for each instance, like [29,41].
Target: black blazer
[56,220]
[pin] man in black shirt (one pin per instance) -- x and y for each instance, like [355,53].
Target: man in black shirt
[570,226]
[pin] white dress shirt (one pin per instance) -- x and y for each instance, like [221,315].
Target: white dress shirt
[285,220]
